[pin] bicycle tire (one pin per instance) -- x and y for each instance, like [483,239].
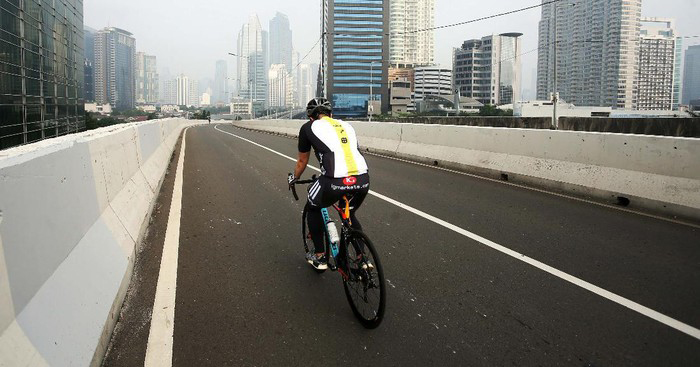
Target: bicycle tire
[370,317]
[304,237]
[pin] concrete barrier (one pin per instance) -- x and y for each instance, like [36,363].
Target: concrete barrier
[655,173]
[72,210]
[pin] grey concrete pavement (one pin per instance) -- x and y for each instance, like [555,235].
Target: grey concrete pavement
[245,296]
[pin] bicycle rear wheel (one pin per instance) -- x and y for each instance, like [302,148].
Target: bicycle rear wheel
[306,236]
[364,287]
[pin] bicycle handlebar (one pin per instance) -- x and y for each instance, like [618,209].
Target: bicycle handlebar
[300,182]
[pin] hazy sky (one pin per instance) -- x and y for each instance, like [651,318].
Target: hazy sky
[189,36]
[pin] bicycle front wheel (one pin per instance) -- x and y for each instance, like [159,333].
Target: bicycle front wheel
[364,285]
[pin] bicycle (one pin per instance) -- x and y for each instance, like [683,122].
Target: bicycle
[353,256]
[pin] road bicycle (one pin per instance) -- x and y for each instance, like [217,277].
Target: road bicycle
[353,255]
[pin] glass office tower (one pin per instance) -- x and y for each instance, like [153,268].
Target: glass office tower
[488,69]
[41,70]
[356,55]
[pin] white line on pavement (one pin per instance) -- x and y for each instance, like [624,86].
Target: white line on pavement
[159,351]
[634,306]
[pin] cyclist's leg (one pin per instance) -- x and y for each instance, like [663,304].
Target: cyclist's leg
[320,196]
[358,196]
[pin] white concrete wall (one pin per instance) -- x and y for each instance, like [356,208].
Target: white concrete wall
[657,173]
[72,210]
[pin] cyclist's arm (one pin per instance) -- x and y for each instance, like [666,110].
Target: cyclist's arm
[304,151]
[302,161]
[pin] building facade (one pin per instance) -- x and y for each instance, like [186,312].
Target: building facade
[691,75]
[597,52]
[221,90]
[489,69]
[193,100]
[277,86]
[657,53]
[146,79]
[170,92]
[432,81]
[412,41]
[356,56]
[252,61]
[115,69]
[42,69]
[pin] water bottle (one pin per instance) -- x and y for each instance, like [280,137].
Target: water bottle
[332,232]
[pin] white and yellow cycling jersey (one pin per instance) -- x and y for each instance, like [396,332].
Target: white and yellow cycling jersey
[335,145]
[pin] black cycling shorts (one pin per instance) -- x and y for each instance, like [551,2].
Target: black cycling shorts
[328,191]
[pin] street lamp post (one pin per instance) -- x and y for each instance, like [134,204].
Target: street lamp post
[370,107]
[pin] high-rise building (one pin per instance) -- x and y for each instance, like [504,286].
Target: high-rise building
[432,81]
[170,92]
[146,79]
[597,52]
[252,60]
[356,55]
[194,93]
[677,74]
[221,90]
[657,53]
[691,75]
[412,41]
[281,41]
[89,42]
[277,86]
[183,90]
[115,69]
[306,84]
[41,83]
[488,69]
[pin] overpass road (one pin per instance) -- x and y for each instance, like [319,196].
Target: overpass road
[550,281]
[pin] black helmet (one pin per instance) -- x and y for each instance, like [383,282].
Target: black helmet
[318,105]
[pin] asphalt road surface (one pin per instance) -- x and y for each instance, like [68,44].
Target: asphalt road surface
[245,296]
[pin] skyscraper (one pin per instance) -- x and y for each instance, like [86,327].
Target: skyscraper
[183,90]
[115,69]
[488,69]
[407,43]
[277,85]
[41,83]
[281,41]
[221,92]
[146,79]
[691,75]
[356,55]
[89,41]
[597,52]
[252,71]
[306,84]
[657,53]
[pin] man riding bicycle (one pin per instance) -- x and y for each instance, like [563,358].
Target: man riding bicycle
[343,171]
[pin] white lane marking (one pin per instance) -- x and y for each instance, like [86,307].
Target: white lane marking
[634,306]
[159,351]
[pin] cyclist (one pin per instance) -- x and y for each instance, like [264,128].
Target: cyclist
[343,171]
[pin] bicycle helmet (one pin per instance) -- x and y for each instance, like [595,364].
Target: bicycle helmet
[318,105]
